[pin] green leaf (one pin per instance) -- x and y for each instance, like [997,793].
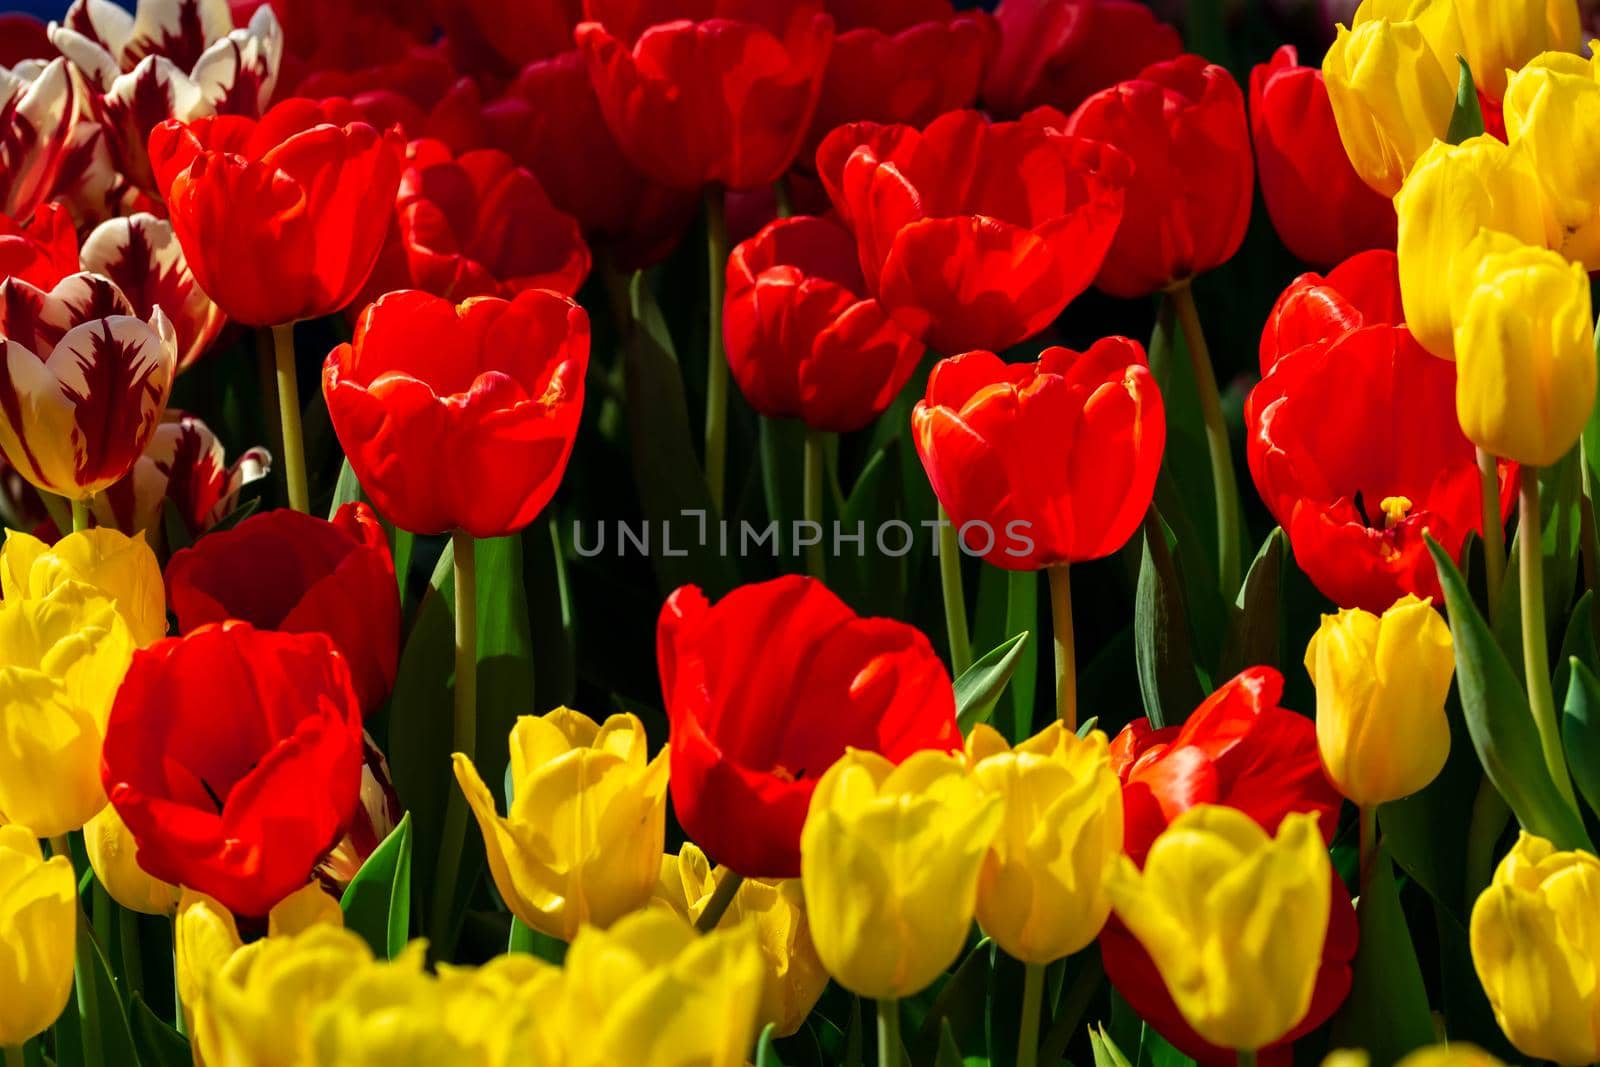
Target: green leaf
[1580,731]
[1387,1010]
[872,581]
[527,940]
[1106,1052]
[960,1006]
[1561,503]
[347,490]
[1161,649]
[1466,122]
[1579,641]
[980,685]
[1502,729]
[377,903]
[237,515]
[766,1055]
[1022,614]
[157,1044]
[116,1037]
[1254,629]
[174,528]
[949,1051]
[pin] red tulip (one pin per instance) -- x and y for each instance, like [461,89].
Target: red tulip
[1183,123]
[803,339]
[496,38]
[420,92]
[234,756]
[38,118]
[1058,53]
[282,219]
[296,573]
[363,36]
[460,417]
[42,250]
[22,36]
[550,122]
[478,225]
[909,62]
[765,689]
[975,235]
[1320,207]
[1240,749]
[1054,461]
[1357,492]
[184,463]
[707,91]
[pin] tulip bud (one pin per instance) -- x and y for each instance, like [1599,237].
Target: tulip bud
[1381,686]
[1041,895]
[583,836]
[889,860]
[1524,333]
[38,922]
[1454,192]
[1213,874]
[794,975]
[115,858]
[118,566]
[1392,86]
[1552,104]
[1502,35]
[649,992]
[62,658]
[1535,936]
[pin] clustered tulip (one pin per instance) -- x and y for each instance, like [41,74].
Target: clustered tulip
[38,925]
[116,566]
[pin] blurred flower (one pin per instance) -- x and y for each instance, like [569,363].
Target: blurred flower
[185,464]
[114,565]
[1455,191]
[648,992]
[1525,350]
[794,975]
[1535,936]
[41,250]
[1054,461]
[281,219]
[114,855]
[803,339]
[85,382]
[143,257]
[1319,205]
[460,417]
[23,36]
[288,571]
[62,657]
[725,99]
[586,821]
[1041,895]
[1455,1054]
[240,806]
[1233,918]
[39,109]
[743,680]
[1182,123]
[1381,686]
[496,37]
[1551,104]
[890,861]
[38,926]
[1058,53]
[972,234]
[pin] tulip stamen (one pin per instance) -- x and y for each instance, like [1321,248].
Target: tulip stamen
[1395,510]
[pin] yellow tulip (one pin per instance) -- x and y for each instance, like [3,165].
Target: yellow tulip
[119,567]
[583,838]
[1042,895]
[649,992]
[1552,104]
[510,1002]
[1233,919]
[1503,35]
[1525,358]
[1391,79]
[62,658]
[115,859]
[1455,192]
[1535,937]
[795,977]
[38,927]
[889,860]
[1455,1054]
[1381,687]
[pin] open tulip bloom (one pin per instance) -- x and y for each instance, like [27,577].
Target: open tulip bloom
[799,533]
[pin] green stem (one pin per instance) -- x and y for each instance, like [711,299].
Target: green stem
[780,193]
[1246,1058]
[1223,481]
[717,906]
[815,466]
[464,736]
[1489,815]
[1535,650]
[716,358]
[1032,1000]
[294,446]
[1494,531]
[14,1056]
[1066,655]
[889,1033]
[83,973]
[80,515]
[1369,843]
[132,961]
[955,596]
[56,507]
[1586,526]
[180,1021]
